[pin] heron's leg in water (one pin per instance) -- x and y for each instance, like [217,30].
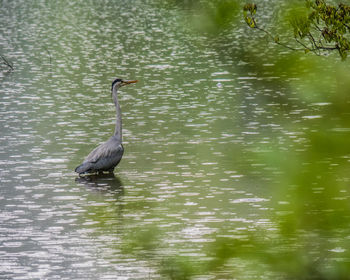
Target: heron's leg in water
[83,174]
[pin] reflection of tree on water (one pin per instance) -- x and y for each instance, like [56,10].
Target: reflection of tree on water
[102,182]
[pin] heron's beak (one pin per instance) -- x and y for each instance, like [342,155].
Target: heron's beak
[127,82]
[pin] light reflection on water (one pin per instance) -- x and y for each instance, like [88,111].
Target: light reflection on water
[187,125]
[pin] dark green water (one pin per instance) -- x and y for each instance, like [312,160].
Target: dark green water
[196,127]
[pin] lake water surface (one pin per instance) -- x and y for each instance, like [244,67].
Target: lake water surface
[193,127]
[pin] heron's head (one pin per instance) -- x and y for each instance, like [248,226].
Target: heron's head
[120,82]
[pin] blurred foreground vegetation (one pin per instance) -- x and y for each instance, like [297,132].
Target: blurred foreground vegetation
[307,235]
[310,198]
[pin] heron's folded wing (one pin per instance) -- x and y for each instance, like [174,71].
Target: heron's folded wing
[106,149]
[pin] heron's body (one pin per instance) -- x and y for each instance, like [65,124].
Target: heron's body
[108,155]
[103,158]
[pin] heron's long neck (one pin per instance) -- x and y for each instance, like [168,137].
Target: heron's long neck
[118,123]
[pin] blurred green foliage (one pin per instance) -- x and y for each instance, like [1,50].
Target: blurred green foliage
[311,200]
[208,17]
[308,236]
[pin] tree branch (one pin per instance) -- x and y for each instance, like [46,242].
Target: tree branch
[7,63]
[324,29]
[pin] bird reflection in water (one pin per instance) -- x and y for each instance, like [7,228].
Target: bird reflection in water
[104,182]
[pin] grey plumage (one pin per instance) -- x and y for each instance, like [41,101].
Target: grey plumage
[103,158]
[108,155]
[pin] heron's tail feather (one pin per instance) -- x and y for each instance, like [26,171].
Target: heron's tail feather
[83,167]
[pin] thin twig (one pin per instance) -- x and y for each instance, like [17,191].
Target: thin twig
[315,47]
[6,62]
[273,38]
[314,44]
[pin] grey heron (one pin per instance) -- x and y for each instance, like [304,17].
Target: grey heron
[108,155]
